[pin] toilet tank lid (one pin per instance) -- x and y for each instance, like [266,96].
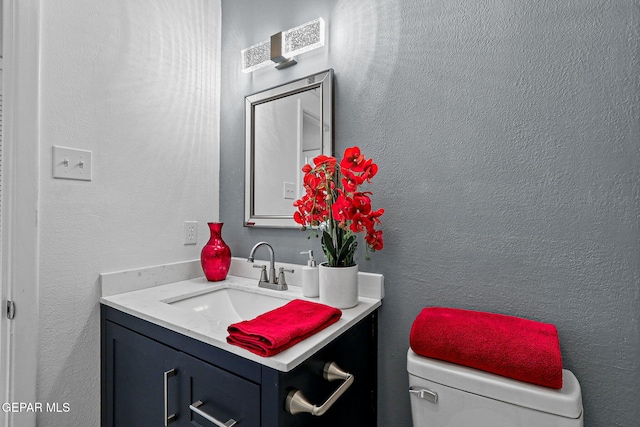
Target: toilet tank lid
[565,402]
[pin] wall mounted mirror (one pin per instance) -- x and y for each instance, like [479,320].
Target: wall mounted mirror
[285,128]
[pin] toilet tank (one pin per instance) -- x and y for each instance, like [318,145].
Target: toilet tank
[444,394]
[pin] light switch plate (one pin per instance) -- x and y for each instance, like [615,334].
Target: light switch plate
[71,163]
[289,190]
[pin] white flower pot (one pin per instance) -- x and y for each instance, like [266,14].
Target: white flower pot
[338,286]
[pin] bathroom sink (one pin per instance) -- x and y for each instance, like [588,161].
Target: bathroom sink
[232,305]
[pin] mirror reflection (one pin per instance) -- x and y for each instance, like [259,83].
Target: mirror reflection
[287,127]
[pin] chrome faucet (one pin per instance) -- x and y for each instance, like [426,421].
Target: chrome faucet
[269,281]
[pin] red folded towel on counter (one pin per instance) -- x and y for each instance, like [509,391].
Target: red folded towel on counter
[517,348]
[277,330]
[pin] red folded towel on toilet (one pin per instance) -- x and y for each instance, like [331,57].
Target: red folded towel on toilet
[277,330]
[517,348]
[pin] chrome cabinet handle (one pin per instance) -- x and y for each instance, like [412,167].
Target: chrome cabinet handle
[195,407]
[296,402]
[168,419]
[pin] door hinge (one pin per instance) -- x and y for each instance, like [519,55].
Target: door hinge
[11,309]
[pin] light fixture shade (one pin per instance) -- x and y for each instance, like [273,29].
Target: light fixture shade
[290,43]
[303,38]
[256,56]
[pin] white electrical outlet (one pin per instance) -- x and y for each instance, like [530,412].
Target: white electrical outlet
[190,232]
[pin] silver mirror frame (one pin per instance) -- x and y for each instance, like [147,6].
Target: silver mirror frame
[322,80]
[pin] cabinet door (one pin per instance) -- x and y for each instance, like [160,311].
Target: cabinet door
[224,396]
[355,352]
[136,392]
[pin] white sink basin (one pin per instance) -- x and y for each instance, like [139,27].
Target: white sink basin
[232,305]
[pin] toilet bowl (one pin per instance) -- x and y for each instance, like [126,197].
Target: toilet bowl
[444,394]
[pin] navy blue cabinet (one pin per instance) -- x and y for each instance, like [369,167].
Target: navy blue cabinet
[152,376]
[137,365]
[220,395]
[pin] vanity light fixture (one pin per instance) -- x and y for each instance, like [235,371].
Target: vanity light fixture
[283,46]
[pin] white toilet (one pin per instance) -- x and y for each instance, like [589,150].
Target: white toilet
[448,395]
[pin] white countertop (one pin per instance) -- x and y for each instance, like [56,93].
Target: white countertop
[151,304]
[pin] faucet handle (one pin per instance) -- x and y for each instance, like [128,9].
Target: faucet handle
[281,279]
[263,272]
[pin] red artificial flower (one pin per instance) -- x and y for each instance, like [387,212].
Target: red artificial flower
[332,198]
[341,208]
[369,170]
[327,162]
[322,159]
[350,181]
[374,240]
[374,217]
[299,218]
[352,159]
[312,181]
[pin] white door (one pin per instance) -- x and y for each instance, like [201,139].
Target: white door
[4,332]
[19,203]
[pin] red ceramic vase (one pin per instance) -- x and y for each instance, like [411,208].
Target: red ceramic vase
[215,255]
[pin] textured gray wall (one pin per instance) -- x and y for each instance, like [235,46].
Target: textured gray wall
[508,139]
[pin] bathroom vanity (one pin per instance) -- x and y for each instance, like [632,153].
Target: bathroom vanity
[164,362]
